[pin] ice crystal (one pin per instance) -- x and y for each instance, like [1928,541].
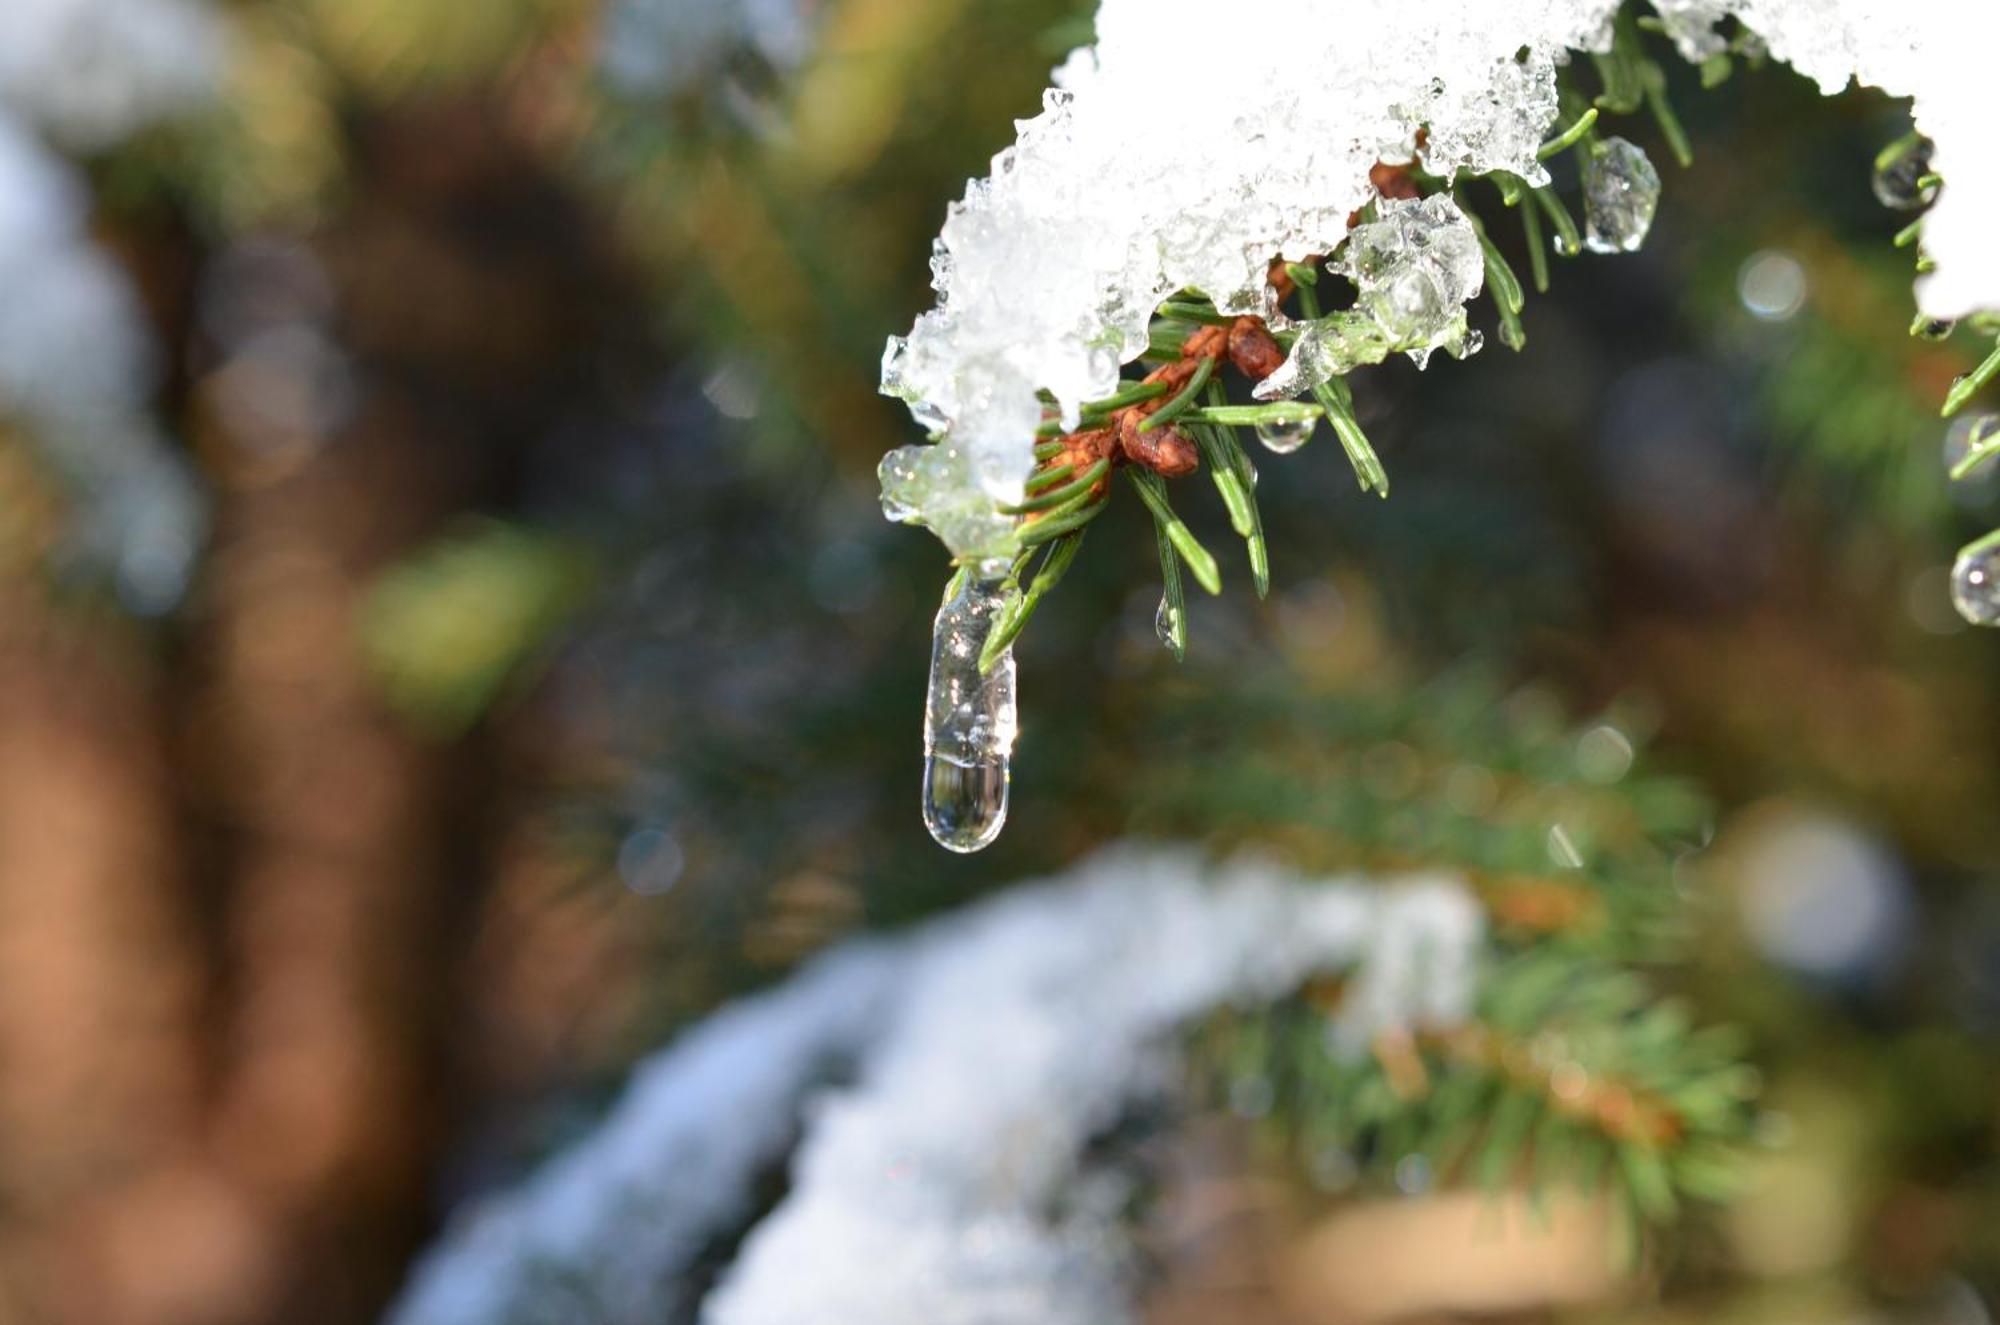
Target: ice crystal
[985,1052]
[941,487]
[1621,191]
[1047,270]
[1413,269]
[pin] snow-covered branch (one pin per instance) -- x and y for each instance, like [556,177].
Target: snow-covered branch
[1190,145]
[987,1050]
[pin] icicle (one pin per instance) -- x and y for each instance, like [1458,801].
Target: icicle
[969,723]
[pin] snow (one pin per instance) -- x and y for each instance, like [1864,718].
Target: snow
[77,366]
[1161,161]
[604,1231]
[90,72]
[659,48]
[947,1184]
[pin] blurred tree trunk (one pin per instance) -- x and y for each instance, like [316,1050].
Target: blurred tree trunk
[236,893]
[120,1216]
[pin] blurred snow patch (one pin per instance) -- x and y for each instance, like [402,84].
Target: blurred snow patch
[90,72]
[76,362]
[986,1051]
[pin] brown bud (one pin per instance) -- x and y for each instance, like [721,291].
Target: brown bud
[1165,450]
[1174,374]
[1253,350]
[1206,343]
[1084,449]
[1393,181]
[1279,279]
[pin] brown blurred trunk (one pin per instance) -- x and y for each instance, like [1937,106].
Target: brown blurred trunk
[120,1217]
[232,886]
[340,855]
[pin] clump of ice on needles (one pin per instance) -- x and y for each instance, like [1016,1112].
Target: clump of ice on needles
[1192,144]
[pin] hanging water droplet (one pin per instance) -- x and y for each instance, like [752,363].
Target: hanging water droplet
[1932,328]
[1975,582]
[1170,624]
[1285,438]
[1621,191]
[969,723]
[1898,171]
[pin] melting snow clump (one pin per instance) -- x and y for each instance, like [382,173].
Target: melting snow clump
[1118,194]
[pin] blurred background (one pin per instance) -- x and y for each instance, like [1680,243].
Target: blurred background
[449,640]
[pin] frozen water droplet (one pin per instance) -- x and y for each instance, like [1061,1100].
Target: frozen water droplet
[965,805]
[1975,583]
[943,487]
[969,722]
[897,474]
[1415,267]
[1621,191]
[1897,172]
[1171,626]
[1285,438]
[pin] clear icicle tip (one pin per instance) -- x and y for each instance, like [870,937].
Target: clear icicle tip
[969,722]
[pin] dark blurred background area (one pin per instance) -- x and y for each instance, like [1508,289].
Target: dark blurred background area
[449,640]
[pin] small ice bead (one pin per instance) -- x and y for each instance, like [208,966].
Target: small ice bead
[1897,172]
[1621,191]
[969,722]
[1285,438]
[1975,583]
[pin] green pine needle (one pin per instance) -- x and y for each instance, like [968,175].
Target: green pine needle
[1655,81]
[1179,404]
[1152,490]
[1569,137]
[1965,388]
